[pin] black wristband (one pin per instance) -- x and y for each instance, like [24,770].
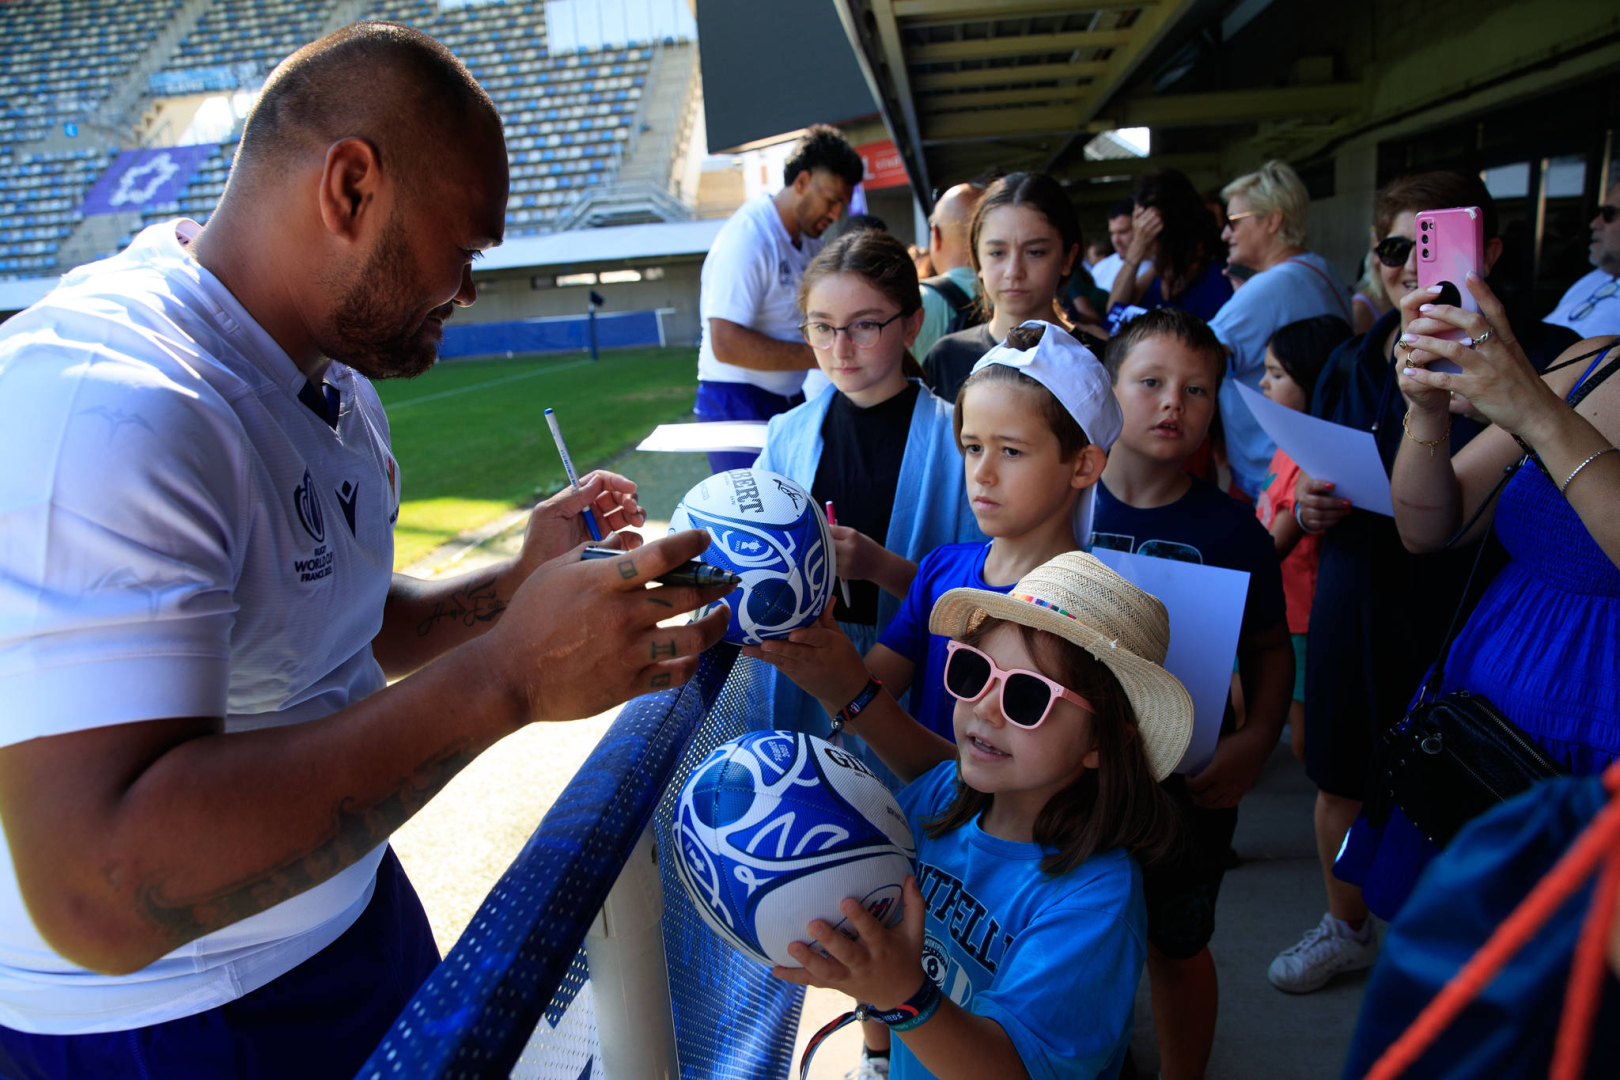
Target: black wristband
[916,1009]
[860,701]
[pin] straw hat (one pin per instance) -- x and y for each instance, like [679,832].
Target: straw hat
[1078,598]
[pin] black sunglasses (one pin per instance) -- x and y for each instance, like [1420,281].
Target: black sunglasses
[1393,251]
[1608,213]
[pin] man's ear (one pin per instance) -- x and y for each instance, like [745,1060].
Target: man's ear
[350,180]
[936,238]
[801,183]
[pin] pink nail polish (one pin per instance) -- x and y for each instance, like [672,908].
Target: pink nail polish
[1425,307]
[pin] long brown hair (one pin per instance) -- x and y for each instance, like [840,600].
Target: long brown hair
[882,262]
[1046,197]
[1117,804]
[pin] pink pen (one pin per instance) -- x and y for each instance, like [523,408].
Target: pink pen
[832,519]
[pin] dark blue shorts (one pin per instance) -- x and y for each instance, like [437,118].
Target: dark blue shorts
[320,1020]
[738,401]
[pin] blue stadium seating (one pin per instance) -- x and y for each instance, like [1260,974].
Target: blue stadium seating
[568,117]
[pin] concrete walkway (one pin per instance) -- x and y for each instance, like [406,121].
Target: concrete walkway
[458,846]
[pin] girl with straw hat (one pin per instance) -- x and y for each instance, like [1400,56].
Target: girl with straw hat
[1024,933]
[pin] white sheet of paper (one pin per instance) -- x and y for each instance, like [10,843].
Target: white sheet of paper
[1205,605]
[1327,451]
[718,436]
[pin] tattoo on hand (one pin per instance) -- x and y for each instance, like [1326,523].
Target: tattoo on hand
[660,603]
[660,680]
[355,830]
[666,649]
[627,569]
[469,606]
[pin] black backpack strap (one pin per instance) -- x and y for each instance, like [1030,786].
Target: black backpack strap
[954,294]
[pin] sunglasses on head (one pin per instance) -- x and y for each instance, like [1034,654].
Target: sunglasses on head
[1393,251]
[1026,696]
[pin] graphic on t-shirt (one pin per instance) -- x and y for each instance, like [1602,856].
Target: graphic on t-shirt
[308,506]
[116,419]
[977,933]
[1158,549]
[346,496]
[784,272]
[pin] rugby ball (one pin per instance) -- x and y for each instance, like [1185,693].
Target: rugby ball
[777,828]
[768,531]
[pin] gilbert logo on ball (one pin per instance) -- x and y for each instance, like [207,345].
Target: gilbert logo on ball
[777,828]
[767,530]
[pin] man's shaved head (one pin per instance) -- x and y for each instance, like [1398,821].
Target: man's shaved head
[952,216]
[393,86]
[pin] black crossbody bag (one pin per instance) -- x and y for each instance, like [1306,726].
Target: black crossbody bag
[1454,756]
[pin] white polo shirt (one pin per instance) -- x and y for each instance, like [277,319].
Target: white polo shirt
[751,277]
[1604,318]
[179,536]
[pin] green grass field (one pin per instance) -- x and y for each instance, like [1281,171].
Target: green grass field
[472,441]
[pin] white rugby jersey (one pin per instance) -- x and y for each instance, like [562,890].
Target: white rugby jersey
[179,536]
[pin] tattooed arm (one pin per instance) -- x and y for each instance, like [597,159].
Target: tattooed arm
[130,840]
[423,619]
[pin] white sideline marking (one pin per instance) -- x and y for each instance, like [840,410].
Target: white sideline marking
[480,386]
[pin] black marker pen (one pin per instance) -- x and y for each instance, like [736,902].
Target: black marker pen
[695,573]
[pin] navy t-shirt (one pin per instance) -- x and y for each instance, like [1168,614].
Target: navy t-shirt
[947,567]
[1203,526]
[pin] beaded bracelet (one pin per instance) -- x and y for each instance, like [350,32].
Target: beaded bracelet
[1584,464]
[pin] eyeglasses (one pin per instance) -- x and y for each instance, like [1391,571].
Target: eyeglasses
[1026,696]
[1608,213]
[1393,251]
[863,332]
[1603,292]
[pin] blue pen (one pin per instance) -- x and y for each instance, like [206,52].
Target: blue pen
[568,467]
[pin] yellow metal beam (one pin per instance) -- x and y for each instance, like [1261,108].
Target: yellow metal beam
[999,124]
[1018,45]
[1241,106]
[1001,76]
[928,12]
[1046,95]
[1145,33]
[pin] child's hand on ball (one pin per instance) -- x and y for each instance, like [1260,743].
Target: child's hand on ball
[820,659]
[879,966]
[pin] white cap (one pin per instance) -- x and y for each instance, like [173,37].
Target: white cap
[1078,380]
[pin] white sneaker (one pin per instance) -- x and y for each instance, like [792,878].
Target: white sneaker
[1327,948]
[870,1068]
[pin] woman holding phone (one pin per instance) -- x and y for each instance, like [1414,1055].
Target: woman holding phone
[1375,623]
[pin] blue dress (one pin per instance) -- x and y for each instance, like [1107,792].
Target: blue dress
[1543,646]
[1203,297]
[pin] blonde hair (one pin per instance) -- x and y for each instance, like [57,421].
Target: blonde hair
[1275,188]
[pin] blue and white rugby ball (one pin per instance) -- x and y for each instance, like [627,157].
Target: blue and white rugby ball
[766,529]
[777,828]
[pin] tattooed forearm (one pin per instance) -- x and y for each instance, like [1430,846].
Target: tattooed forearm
[356,829]
[468,606]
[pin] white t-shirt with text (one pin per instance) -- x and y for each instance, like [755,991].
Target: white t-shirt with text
[751,277]
[179,536]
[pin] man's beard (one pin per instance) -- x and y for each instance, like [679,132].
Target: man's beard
[367,330]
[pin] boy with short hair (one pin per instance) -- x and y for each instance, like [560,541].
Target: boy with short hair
[1166,367]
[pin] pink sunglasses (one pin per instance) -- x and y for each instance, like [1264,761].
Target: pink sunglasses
[1026,696]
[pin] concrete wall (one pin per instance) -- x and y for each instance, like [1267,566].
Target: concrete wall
[510,295]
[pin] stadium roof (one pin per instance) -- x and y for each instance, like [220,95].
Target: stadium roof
[616,243]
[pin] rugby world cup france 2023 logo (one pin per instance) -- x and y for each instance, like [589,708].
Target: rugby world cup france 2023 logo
[766,529]
[777,828]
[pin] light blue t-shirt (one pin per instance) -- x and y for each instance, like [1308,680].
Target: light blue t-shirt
[1300,287]
[1054,961]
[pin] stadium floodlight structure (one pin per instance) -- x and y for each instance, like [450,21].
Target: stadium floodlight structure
[512,997]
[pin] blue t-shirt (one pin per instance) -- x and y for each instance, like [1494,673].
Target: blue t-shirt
[1054,961]
[1297,288]
[947,567]
[1206,526]
[1204,297]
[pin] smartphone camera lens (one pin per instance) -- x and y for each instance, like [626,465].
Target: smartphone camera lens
[1427,225]
[1425,253]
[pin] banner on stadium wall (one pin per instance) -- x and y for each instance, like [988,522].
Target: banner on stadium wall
[142,178]
[556,333]
[884,168]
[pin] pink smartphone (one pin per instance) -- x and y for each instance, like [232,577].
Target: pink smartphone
[1450,243]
